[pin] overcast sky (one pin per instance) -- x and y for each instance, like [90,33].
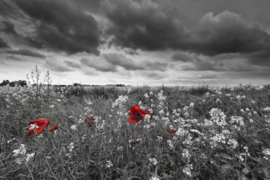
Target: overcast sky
[137,42]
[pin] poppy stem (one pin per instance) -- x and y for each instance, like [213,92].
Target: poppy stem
[29,171]
[133,132]
[126,141]
[84,163]
[52,140]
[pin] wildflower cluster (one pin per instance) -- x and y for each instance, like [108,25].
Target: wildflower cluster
[21,155]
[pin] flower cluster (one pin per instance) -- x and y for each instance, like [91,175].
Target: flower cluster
[120,101]
[21,155]
[218,117]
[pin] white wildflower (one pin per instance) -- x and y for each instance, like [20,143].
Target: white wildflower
[146,96]
[21,150]
[266,152]
[154,178]
[29,156]
[153,161]
[120,148]
[73,127]
[170,144]
[181,132]
[267,109]
[70,146]
[109,164]
[233,143]
[185,154]
[187,169]
[33,126]
[196,131]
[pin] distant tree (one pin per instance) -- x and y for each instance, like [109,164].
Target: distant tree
[76,84]
[22,83]
[5,82]
[120,85]
[13,83]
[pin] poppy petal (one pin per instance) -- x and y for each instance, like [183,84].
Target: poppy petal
[136,114]
[170,131]
[132,120]
[90,122]
[146,112]
[53,127]
[41,123]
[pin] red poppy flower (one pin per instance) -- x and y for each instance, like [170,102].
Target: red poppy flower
[38,125]
[136,114]
[170,131]
[90,122]
[117,107]
[54,126]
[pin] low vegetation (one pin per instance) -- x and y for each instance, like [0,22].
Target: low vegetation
[172,133]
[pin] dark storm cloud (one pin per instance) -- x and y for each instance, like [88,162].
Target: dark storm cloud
[99,64]
[9,28]
[259,74]
[209,64]
[26,52]
[90,5]
[261,58]
[148,25]
[182,57]
[13,58]
[110,62]
[142,24]
[56,66]
[130,64]
[154,75]
[3,44]
[208,76]
[7,8]
[72,64]
[227,32]
[123,61]
[131,52]
[155,65]
[62,27]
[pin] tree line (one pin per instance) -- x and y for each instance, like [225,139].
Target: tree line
[24,83]
[13,83]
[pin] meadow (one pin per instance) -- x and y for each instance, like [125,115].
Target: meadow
[133,133]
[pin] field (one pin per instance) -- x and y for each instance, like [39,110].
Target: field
[174,133]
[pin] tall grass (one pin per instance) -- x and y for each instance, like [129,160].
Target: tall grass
[223,134]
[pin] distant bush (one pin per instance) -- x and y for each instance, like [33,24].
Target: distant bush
[21,83]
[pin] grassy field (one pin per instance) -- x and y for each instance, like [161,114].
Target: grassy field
[196,133]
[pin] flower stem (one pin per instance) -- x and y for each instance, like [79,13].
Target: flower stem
[29,171]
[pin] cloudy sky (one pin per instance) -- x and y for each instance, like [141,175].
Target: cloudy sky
[137,42]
